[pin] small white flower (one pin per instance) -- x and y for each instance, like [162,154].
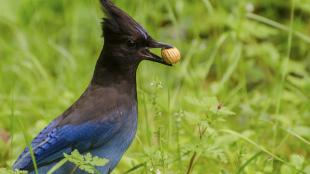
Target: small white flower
[249,7]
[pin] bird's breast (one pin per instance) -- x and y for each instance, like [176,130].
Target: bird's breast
[114,149]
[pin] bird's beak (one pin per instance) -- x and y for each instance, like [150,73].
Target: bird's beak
[148,55]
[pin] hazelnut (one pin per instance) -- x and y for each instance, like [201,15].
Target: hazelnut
[171,55]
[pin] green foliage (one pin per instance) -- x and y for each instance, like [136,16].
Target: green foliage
[86,162]
[8,171]
[238,102]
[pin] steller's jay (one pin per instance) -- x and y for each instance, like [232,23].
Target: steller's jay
[103,121]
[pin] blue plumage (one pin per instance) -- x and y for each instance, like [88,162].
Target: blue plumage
[89,137]
[57,139]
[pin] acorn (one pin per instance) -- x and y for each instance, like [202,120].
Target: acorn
[171,55]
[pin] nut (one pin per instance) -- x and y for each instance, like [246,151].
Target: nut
[171,55]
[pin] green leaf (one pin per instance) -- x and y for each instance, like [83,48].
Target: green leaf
[86,162]
[9,171]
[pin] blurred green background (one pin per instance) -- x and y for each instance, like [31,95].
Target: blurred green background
[239,101]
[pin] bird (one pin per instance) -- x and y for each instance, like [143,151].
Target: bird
[103,120]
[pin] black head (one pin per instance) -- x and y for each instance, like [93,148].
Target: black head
[125,40]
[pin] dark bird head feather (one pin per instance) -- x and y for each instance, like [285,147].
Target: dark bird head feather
[118,22]
[125,39]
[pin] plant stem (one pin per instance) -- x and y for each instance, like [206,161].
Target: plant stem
[191,163]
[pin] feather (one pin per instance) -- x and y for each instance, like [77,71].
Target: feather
[119,22]
[50,147]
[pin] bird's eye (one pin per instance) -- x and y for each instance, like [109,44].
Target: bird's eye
[131,43]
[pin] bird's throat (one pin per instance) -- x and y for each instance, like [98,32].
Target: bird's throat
[110,73]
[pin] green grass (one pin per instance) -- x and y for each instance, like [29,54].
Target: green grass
[238,102]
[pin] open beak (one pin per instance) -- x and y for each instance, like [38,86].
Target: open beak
[148,55]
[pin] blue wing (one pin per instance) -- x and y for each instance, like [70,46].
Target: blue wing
[53,141]
[89,123]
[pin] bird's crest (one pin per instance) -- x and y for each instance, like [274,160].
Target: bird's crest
[118,22]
